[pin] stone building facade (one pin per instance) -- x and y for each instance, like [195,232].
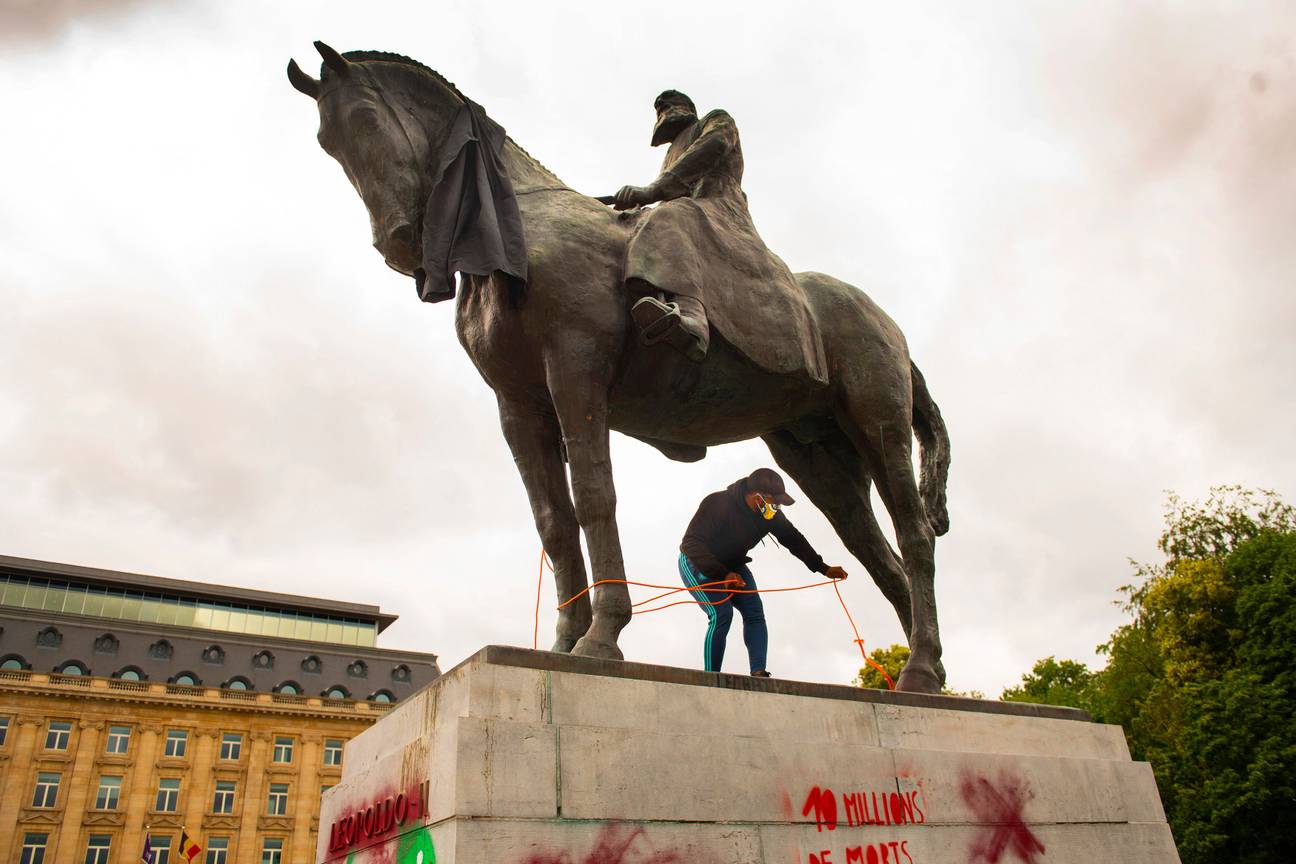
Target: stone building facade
[132,705]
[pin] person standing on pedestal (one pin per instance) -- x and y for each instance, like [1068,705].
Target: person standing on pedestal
[725,527]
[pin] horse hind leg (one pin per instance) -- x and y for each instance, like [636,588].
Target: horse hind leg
[836,480]
[880,429]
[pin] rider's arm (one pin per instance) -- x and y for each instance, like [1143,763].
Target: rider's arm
[796,543]
[719,136]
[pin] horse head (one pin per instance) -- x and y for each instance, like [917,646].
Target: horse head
[383,117]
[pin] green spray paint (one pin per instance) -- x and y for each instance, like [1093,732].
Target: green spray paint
[415,847]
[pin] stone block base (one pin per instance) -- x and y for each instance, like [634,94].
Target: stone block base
[528,757]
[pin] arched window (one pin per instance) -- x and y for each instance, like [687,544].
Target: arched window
[312,665]
[263,660]
[13,661]
[383,696]
[337,691]
[187,679]
[130,673]
[73,667]
[401,673]
[289,688]
[238,682]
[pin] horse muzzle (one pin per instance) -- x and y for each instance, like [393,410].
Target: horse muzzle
[397,242]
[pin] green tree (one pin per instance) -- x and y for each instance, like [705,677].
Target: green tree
[1203,676]
[1054,682]
[891,659]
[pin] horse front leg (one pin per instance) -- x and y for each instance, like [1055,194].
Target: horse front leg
[536,441]
[581,403]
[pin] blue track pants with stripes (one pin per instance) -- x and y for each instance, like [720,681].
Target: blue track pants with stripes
[720,617]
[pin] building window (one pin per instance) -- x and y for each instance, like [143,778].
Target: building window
[332,751]
[277,805]
[231,745]
[283,748]
[223,802]
[176,742]
[272,851]
[109,793]
[263,660]
[15,662]
[161,847]
[401,673]
[130,673]
[237,683]
[337,691]
[4,730]
[97,849]
[46,790]
[168,796]
[312,665]
[289,688]
[72,667]
[187,679]
[118,739]
[217,850]
[382,696]
[57,734]
[33,849]
[358,669]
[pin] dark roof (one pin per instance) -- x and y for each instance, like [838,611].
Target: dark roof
[200,590]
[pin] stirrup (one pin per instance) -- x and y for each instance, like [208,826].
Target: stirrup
[666,320]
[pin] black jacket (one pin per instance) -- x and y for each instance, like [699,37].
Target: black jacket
[724,529]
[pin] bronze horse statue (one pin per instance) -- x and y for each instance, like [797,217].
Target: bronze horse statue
[566,367]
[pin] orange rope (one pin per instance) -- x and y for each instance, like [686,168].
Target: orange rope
[860,642]
[671,589]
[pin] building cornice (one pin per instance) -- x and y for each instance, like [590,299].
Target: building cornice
[111,690]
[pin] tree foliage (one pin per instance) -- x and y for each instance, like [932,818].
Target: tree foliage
[1203,676]
[891,659]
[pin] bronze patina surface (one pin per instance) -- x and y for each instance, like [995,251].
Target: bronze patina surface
[806,362]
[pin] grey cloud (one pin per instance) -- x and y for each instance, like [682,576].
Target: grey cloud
[26,21]
[1081,218]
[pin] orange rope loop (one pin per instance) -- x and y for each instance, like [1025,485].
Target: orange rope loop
[674,589]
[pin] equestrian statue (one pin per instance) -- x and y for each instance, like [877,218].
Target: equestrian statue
[657,312]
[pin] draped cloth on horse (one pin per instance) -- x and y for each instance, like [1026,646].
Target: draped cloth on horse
[471,223]
[701,243]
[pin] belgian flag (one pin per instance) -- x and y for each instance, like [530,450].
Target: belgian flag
[188,848]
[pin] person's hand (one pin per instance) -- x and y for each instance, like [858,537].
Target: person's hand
[835,573]
[735,581]
[631,196]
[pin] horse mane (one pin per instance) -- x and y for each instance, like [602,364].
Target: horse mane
[392,57]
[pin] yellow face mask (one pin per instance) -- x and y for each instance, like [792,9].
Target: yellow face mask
[768,508]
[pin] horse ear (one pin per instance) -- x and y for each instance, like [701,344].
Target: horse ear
[333,59]
[301,81]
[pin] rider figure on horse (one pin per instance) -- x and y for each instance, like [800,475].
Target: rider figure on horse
[701,237]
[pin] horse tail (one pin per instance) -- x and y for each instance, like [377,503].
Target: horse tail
[935,460]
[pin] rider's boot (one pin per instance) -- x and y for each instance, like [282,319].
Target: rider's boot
[682,324]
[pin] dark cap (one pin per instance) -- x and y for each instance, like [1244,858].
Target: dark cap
[674,97]
[767,481]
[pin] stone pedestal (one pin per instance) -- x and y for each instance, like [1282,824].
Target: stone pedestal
[527,757]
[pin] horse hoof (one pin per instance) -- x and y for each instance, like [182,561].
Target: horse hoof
[588,647]
[563,645]
[918,679]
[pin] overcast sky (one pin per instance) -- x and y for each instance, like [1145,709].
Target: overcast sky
[1081,217]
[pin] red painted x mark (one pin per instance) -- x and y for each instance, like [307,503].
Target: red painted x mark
[1000,810]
